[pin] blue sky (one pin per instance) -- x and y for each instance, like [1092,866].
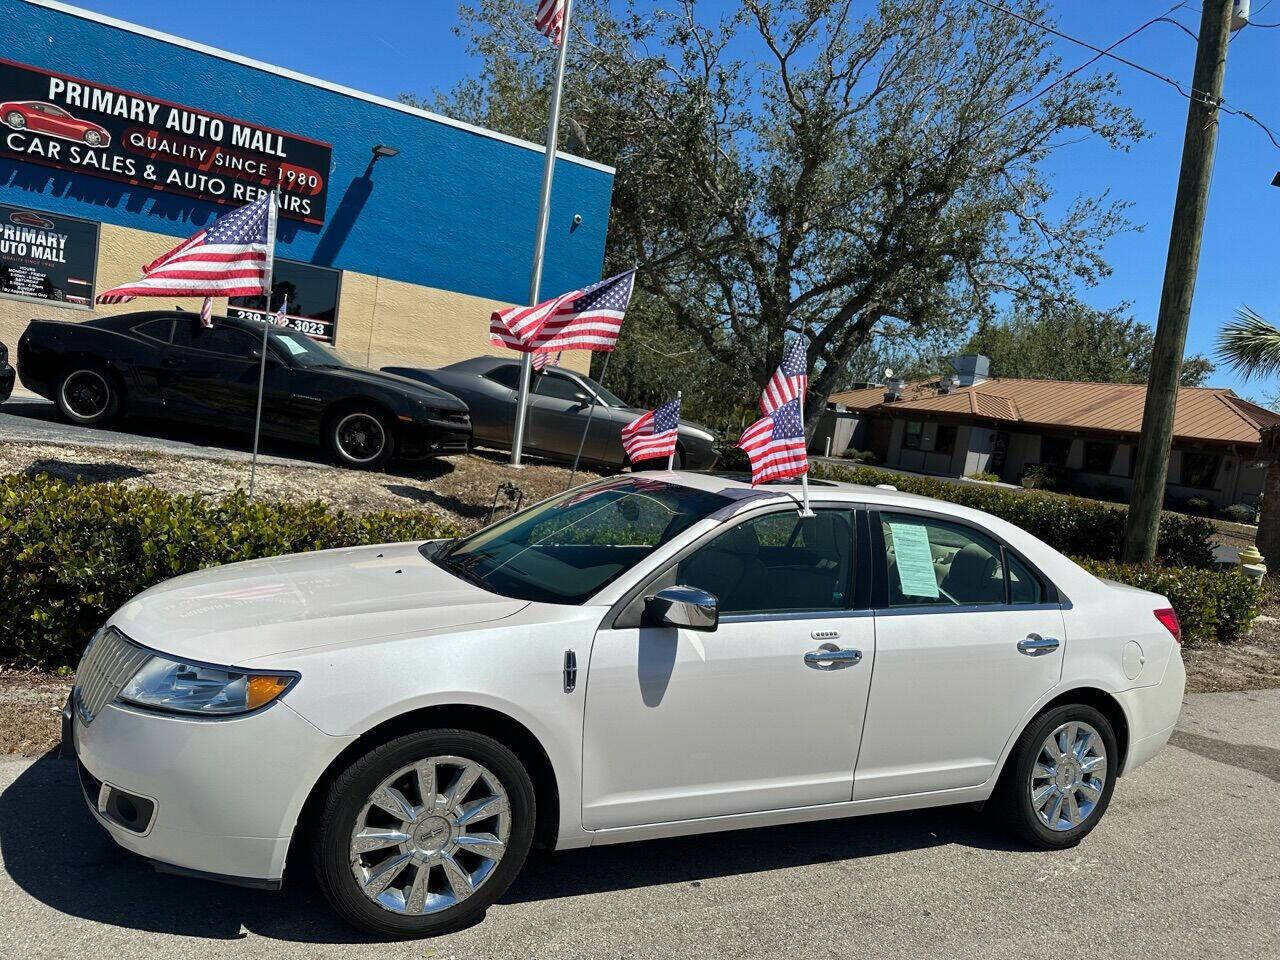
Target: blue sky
[406,45]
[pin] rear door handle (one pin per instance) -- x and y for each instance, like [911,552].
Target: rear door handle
[832,659]
[1034,645]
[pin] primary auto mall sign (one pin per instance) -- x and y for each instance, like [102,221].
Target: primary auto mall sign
[89,128]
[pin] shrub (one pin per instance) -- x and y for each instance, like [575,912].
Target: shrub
[1197,505]
[860,456]
[71,554]
[986,477]
[1241,513]
[1043,476]
[1213,606]
[1076,527]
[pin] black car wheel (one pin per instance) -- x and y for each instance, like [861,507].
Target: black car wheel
[87,396]
[420,835]
[360,438]
[16,120]
[1058,781]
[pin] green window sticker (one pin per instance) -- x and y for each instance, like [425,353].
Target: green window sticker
[914,560]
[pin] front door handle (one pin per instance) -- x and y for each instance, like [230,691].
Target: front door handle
[828,657]
[1034,645]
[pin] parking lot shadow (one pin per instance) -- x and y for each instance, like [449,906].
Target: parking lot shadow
[71,471]
[56,853]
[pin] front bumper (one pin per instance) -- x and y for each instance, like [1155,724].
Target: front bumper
[227,793]
[439,435]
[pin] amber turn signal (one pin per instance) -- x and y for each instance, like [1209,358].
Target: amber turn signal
[262,690]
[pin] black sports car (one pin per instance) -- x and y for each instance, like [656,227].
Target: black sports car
[6,374]
[167,364]
[561,404]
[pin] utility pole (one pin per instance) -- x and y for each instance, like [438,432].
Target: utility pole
[1155,440]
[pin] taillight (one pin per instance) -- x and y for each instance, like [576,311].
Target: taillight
[1170,621]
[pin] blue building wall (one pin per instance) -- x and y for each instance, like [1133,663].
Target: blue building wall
[455,210]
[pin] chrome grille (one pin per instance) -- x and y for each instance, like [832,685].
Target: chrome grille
[106,666]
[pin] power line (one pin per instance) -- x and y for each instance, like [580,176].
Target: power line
[1193,93]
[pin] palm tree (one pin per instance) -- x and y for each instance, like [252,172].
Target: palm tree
[1250,346]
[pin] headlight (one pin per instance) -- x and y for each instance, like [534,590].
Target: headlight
[164,683]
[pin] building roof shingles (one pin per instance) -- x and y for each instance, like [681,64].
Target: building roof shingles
[1206,414]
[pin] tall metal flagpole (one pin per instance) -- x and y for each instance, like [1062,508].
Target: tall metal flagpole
[262,366]
[805,509]
[544,217]
[671,457]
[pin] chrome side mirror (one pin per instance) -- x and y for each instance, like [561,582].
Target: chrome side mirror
[687,608]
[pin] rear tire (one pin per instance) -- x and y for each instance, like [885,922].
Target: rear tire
[422,778]
[360,438]
[1058,781]
[87,396]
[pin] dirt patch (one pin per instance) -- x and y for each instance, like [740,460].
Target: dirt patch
[1251,663]
[460,488]
[31,711]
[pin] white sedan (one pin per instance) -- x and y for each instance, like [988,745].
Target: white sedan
[639,657]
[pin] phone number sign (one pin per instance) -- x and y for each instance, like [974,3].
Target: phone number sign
[89,128]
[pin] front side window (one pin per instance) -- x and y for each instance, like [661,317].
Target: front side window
[777,563]
[566,549]
[556,387]
[939,563]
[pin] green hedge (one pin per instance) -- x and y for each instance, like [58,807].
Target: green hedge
[1213,606]
[71,554]
[1071,525]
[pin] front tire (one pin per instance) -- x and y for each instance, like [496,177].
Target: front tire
[16,120]
[87,396]
[422,834]
[1058,781]
[360,438]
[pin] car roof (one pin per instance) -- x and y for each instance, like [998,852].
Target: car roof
[127,321]
[738,486]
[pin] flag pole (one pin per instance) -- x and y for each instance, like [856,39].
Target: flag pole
[262,365]
[540,239]
[590,413]
[805,509]
[671,457]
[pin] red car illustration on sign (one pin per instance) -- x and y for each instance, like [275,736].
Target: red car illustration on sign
[40,117]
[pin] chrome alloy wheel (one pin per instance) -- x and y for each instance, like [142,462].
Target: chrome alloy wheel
[360,437]
[430,835]
[1068,776]
[86,394]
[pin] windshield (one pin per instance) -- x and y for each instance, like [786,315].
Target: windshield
[566,549]
[302,350]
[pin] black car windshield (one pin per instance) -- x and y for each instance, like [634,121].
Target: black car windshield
[301,350]
[566,549]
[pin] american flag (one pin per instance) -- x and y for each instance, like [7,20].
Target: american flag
[543,360]
[587,319]
[206,312]
[791,380]
[775,444]
[281,318]
[230,258]
[653,434]
[549,19]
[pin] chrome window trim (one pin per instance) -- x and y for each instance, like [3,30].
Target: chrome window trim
[841,614]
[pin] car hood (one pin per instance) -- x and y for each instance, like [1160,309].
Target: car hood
[414,388]
[264,608]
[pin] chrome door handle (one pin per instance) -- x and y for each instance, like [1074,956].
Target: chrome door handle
[830,658]
[1034,645]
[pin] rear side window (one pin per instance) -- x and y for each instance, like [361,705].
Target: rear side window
[938,563]
[508,375]
[228,341]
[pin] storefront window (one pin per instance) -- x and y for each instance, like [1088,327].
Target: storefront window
[945,440]
[911,439]
[1054,451]
[313,299]
[1200,469]
[1098,456]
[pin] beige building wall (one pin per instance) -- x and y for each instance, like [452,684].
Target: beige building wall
[380,321]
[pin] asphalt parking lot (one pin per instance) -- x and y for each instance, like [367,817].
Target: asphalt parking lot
[1186,864]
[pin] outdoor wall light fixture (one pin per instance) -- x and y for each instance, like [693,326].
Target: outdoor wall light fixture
[382,150]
